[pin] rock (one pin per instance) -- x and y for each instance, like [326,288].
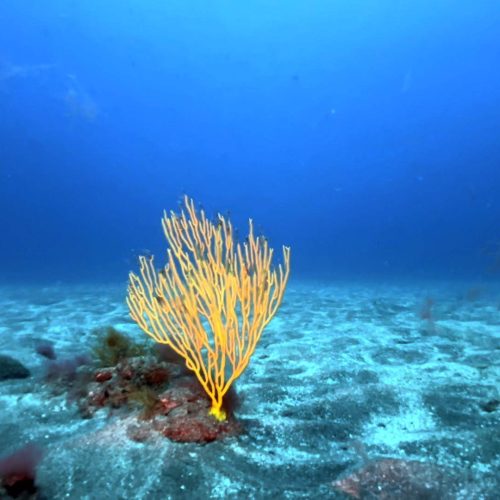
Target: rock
[392,478]
[164,400]
[11,368]
[491,405]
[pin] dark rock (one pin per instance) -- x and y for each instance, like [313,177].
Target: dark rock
[491,405]
[11,368]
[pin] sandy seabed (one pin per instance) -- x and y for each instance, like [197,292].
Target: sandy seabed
[346,376]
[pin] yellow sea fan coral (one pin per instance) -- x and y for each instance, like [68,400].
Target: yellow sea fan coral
[213,298]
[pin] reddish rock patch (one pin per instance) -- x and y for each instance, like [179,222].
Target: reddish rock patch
[103,376]
[186,416]
[18,473]
[393,478]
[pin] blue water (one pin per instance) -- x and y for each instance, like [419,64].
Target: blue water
[362,134]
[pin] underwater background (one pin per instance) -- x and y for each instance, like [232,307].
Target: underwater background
[362,134]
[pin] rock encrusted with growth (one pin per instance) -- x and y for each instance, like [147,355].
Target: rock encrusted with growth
[167,401]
